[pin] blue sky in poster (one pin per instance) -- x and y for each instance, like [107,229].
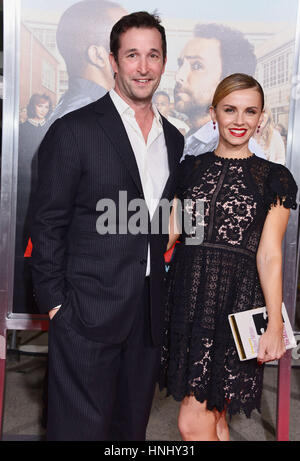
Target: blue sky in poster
[215,10]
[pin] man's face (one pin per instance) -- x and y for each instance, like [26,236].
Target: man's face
[163,104]
[199,72]
[140,64]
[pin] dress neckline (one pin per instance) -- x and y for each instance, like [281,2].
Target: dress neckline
[237,159]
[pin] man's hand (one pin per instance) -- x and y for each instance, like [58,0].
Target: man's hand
[53,312]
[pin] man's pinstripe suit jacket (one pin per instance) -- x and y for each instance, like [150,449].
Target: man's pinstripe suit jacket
[86,156]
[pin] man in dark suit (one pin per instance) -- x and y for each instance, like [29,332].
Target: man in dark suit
[104,291]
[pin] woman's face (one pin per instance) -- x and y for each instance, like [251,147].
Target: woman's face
[41,109]
[238,115]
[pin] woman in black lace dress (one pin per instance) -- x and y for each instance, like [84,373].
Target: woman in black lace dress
[235,267]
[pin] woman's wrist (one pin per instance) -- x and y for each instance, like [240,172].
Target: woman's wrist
[275,324]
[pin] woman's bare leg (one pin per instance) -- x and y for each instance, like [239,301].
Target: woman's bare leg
[196,423]
[222,427]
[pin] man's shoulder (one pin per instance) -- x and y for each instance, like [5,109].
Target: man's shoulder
[169,126]
[179,124]
[78,120]
[86,110]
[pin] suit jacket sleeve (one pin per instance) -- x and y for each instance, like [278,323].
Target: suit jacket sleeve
[58,178]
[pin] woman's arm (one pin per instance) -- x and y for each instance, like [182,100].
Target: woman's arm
[174,227]
[269,265]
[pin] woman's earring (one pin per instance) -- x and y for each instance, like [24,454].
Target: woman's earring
[214,123]
[258,128]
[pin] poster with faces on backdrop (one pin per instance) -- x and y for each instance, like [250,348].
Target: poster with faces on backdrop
[205,44]
[64,65]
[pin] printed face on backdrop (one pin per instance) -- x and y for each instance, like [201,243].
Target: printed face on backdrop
[163,104]
[83,39]
[140,64]
[42,109]
[199,72]
[238,115]
[114,14]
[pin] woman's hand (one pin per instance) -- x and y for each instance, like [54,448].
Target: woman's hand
[174,227]
[271,345]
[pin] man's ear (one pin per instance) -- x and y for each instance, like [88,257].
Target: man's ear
[113,63]
[97,55]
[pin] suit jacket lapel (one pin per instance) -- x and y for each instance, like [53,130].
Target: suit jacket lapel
[112,124]
[171,149]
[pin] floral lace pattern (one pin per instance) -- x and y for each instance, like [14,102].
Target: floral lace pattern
[209,281]
[235,208]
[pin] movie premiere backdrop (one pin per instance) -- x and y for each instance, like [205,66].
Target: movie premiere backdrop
[56,60]
[62,63]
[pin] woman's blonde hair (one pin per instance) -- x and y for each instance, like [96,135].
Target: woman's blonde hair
[236,82]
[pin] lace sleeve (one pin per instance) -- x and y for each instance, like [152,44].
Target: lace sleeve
[185,169]
[281,186]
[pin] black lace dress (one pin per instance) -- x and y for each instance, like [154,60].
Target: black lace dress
[217,277]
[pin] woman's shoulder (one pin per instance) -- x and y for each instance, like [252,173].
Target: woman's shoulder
[274,169]
[279,184]
[268,167]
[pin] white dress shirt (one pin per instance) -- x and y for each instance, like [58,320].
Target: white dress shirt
[151,156]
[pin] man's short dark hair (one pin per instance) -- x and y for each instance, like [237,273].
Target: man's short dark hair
[138,19]
[84,24]
[237,53]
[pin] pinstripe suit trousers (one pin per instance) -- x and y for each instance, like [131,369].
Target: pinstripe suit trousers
[101,391]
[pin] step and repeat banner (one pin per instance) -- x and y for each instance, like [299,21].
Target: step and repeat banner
[56,60]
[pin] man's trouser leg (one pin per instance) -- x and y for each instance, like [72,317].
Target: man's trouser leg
[101,391]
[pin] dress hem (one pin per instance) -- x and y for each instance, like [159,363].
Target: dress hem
[232,406]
